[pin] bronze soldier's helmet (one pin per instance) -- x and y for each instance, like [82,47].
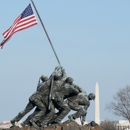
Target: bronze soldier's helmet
[69,80]
[91,96]
[44,78]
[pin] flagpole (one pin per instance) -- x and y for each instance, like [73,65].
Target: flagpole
[45,31]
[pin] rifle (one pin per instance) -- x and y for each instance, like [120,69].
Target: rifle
[50,92]
[38,84]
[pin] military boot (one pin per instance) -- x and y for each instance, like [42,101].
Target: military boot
[34,124]
[12,122]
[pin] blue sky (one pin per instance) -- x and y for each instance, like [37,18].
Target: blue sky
[91,39]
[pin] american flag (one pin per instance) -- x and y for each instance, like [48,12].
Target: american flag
[25,20]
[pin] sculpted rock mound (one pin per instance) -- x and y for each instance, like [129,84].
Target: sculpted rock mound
[68,125]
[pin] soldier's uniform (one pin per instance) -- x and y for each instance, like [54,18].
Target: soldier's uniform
[75,103]
[36,99]
[79,103]
[61,105]
[42,93]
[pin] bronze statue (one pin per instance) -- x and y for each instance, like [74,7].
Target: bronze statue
[56,92]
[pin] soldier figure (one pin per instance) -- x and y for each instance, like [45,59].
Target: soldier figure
[43,78]
[50,94]
[75,103]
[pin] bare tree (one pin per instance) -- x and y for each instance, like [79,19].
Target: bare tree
[108,125]
[120,106]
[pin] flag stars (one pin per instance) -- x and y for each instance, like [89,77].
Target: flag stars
[28,11]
